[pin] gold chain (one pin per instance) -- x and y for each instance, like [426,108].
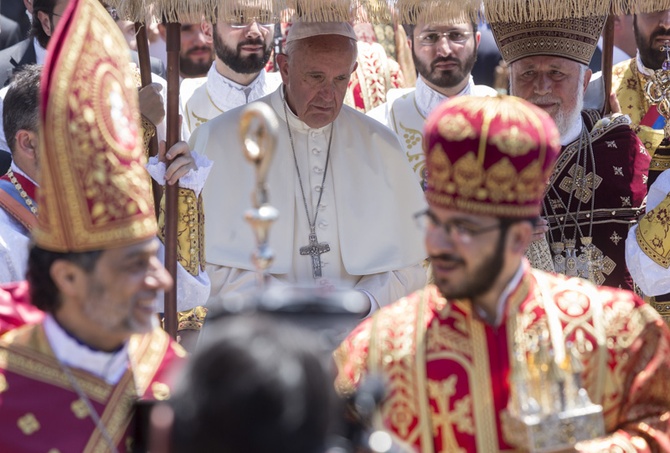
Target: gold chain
[22,192]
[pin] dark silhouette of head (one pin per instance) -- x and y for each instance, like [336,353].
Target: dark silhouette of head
[255,385]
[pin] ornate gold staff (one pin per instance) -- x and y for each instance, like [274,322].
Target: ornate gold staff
[258,133]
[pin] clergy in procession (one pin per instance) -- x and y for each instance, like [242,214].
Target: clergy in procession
[193,285]
[444,53]
[630,79]
[344,191]
[242,47]
[597,190]
[68,382]
[451,352]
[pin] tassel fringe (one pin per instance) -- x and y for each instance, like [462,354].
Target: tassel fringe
[380,11]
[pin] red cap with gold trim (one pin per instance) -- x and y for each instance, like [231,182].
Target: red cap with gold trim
[489,155]
[94,190]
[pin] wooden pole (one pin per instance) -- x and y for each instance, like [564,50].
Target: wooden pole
[607,62]
[172,46]
[145,75]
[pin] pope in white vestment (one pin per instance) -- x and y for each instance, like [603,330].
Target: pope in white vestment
[365,215]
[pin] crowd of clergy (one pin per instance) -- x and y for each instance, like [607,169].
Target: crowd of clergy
[468,244]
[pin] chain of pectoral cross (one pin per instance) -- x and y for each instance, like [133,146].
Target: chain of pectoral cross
[582,187]
[314,249]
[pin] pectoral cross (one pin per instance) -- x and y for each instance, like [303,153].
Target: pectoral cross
[568,261]
[315,250]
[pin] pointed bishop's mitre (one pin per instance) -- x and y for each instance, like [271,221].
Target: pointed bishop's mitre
[94,190]
[559,28]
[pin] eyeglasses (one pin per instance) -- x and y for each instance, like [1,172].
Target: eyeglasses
[454,36]
[241,21]
[457,230]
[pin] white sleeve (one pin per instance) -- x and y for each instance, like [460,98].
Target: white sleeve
[652,278]
[192,291]
[14,249]
[194,179]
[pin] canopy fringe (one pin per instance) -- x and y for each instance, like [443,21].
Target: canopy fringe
[382,11]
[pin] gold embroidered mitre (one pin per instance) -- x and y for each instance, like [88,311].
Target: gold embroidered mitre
[489,155]
[573,38]
[94,190]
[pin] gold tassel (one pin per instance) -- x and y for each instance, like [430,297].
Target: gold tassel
[381,11]
[411,11]
[649,6]
[530,11]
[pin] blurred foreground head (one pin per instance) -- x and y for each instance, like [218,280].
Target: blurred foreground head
[255,385]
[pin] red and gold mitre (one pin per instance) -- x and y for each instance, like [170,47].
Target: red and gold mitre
[94,190]
[573,38]
[489,155]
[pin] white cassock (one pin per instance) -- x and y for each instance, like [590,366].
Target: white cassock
[204,98]
[652,278]
[369,198]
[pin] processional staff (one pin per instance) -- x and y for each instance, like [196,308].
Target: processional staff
[258,134]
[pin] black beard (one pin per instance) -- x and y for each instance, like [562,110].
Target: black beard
[231,57]
[651,58]
[487,273]
[446,79]
[189,68]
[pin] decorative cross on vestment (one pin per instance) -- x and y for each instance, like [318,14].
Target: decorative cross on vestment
[315,250]
[581,183]
[445,420]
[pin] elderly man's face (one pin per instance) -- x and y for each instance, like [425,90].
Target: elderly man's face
[444,54]
[316,75]
[555,84]
[652,31]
